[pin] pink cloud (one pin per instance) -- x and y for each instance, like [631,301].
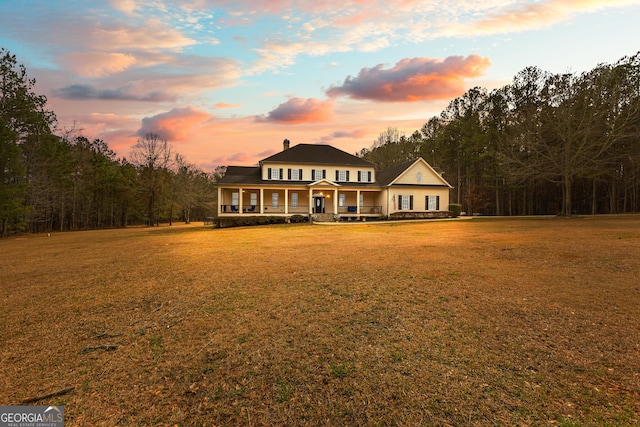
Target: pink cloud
[98,64]
[355,134]
[266,153]
[536,15]
[413,79]
[240,157]
[300,110]
[220,105]
[176,125]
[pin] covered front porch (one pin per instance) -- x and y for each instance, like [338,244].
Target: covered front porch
[324,198]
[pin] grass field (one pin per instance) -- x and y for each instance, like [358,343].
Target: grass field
[480,322]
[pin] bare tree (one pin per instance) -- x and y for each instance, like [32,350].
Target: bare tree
[152,157]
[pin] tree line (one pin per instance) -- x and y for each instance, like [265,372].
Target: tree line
[545,144]
[52,179]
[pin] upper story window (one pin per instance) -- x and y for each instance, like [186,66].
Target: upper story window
[274,173]
[364,176]
[295,174]
[318,174]
[342,175]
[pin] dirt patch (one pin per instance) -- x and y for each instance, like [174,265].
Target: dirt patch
[500,321]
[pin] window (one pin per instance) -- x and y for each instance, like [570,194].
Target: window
[342,175]
[275,173]
[405,202]
[364,176]
[432,203]
[318,174]
[361,200]
[341,200]
[235,199]
[294,200]
[254,199]
[295,174]
[274,200]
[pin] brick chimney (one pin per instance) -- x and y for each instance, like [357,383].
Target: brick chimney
[285,144]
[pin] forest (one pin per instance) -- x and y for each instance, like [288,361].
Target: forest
[560,144]
[54,179]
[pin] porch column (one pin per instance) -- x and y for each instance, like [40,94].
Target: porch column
[286,201]
[358,202]
[262,201]
[335,201]
[219,200]
[240,197]
[310,200]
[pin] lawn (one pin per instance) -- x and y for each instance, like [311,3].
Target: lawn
[477,322]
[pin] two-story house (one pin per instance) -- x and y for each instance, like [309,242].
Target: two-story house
[322,182]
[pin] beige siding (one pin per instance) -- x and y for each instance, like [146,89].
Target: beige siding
[419,196]
[306,171]
[420,174]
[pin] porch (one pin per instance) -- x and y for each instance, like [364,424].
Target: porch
[313,199]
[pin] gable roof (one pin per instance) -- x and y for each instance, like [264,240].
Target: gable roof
[318,154]
[389,176]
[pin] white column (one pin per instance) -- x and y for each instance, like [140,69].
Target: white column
[335,201]
[219,200]
[286,201]
[358,202]
[310,200]
[262,200]
[240,197]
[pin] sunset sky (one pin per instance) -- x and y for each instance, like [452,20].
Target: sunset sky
[226,81]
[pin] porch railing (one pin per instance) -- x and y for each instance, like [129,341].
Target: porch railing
[364,210]
[342,210]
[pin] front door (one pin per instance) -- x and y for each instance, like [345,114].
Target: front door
[319,205]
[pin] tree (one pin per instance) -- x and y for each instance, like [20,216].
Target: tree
[23,119]
[392,148]
[152,157]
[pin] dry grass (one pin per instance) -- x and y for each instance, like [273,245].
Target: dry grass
[482,322]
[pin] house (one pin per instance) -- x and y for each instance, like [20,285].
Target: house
[324,183]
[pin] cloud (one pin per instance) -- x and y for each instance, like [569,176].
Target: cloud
[412,79]
[220,105]
[152,34]
[355,134]
[300,110]
[176,125]
[532,16]
[240,157]
[98,64]
[87,92]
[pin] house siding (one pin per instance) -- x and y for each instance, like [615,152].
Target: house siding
[330,172]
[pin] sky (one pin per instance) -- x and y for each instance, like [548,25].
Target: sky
[225,82]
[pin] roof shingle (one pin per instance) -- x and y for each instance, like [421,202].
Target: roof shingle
[317,154]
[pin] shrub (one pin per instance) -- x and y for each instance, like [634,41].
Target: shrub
[455,209]
[297,218]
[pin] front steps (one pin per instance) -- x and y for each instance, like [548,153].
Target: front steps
[323,217]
